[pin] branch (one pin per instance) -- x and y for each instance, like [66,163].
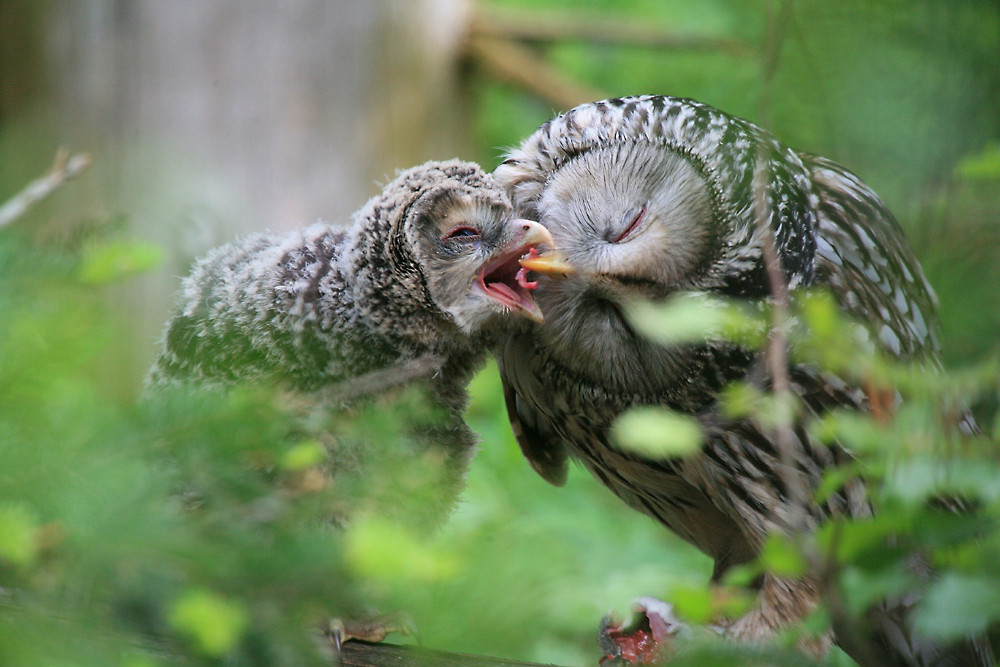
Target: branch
[500,42]
[63,169]
[362,654]
[535,27]
[777,352]
[848,630]
[517,64]
[382,380]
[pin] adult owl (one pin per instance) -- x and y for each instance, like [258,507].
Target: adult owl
[650,196]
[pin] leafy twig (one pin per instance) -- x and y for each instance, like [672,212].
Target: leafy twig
[824,568]
[777,353]
[64,168]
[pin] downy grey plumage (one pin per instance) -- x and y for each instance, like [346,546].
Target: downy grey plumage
[410,294]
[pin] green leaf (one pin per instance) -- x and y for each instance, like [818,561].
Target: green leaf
[212,623]
[782,556]
[684,319]
[823,335]
[694,317]
[776,410]
[836,478]
[657,432]
[821,314]
[872,543]
[957,605]
[108,263]
[693,603]
[740,400]
[982,166]
[303,455]
[916,480]
[852,430]
[861,588]
[381,549]
[18,528]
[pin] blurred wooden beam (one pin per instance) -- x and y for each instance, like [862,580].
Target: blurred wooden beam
[362,654]
[546,27]
[421,111]
[520,65]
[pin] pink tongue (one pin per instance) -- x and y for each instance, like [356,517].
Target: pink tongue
[504,290]
[522,278]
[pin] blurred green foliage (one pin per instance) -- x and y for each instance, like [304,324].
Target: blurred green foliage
[934,489]
[657,433]
[152,529]
[199,528]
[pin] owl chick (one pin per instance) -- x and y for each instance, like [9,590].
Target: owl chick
[413,290]
[650,196]
[428,267]
[411,294]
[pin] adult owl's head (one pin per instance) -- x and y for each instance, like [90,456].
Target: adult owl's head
[441,245]
[648,195]
[635,219]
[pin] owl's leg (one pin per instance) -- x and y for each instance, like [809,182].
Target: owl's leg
[781,601]
[371,628]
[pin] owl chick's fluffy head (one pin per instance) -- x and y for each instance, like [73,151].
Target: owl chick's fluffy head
[439,248]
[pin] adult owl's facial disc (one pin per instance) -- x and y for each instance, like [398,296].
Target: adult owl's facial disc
[470,250]
[636,221]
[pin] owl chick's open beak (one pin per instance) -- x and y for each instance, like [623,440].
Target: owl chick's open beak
[505,277]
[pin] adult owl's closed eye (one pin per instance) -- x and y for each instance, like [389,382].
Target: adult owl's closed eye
[648,196]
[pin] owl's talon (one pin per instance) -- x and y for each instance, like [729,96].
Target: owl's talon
[335,632]
[407,626]
[372,628]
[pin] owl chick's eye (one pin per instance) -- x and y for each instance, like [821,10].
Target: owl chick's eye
[633,218]
[462,233]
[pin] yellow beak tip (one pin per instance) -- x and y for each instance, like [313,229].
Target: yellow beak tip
[550,264]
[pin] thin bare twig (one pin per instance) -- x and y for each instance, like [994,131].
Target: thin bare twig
[777,352]
[380,381]
[64,168]
[824,567]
